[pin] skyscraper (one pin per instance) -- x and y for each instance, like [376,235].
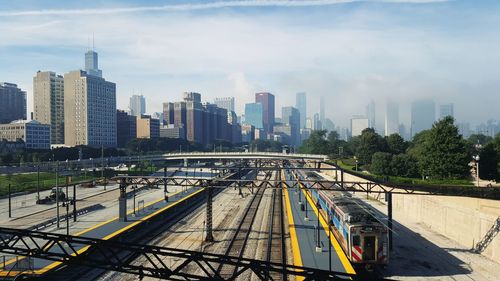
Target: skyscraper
[317,122]
[291,117]
[168,113]
[194,117]
[358,124]
[48,103]
[137,105]
[423,115]
[267,101]
[226,103]
[391,118]
[253,115]
[89,110]
[321,113]
[126,127]
[370,114]
[301,105]
[12,102]
[92,64]
[446,110]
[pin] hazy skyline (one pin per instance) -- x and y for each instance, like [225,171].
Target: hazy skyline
[347,51]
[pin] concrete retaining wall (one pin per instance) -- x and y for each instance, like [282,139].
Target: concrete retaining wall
[464,220]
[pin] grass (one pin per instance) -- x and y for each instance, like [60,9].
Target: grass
[350,164]
[29,182]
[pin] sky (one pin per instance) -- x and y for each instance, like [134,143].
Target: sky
[348,51]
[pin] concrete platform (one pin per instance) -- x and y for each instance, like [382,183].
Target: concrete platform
[107,229]
[303,232]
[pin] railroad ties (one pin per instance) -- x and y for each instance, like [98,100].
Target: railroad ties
[239,240]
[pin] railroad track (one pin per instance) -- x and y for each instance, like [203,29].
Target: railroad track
[276,248]
[240,238]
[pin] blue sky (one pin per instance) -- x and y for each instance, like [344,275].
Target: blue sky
[348,51]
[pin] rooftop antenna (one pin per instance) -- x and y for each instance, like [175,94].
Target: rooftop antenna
[88,43]
[93,43]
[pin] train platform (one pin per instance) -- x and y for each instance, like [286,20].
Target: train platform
[106,230]
[304,221]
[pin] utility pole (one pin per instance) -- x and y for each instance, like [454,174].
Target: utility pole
[57,194]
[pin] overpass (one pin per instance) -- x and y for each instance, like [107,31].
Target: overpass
[243,155]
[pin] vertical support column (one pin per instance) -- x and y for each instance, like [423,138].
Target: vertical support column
[122,201]
[165,179]
[74,203]
[389,218]
[10,203]
[185,162]
[209,237]
[342,178]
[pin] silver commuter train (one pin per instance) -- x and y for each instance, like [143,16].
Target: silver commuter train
[363,238]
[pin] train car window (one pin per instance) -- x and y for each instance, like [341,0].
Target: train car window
[356,241]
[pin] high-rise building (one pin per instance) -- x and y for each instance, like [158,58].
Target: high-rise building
[48,103]
[301,105]
[227,103]
[328,125]
[137,105]
[464,129]
[423,115]
[317,122]
[309,123]
[147,127]
[89,110]
[267,101]
[358,124]
[194,117]
[200,122]
[34,134]
[370,114]
[321,112]
[13,103]
[92,64]
[446,110]
[291,117]
[126,127]
[391,118]
[253,115]
[168,113]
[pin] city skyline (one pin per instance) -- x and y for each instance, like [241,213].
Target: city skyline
[345,67]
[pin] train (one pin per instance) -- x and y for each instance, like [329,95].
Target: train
[361,235]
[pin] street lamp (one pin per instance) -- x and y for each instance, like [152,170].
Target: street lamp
[356,163]
[477,168]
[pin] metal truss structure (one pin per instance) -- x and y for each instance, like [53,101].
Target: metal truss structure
[108,255]
[321,184]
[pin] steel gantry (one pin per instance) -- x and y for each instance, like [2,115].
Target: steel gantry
[108,255]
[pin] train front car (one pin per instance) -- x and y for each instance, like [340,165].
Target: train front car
[368,238]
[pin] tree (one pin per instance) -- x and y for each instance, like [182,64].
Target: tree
[404,165]
[479,139]
[488,162]
[396,144]
[369,143]
[417,149]
[334,143]
[444,153]
[381,163]
[316,143]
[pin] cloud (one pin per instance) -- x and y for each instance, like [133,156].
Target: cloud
[202,6]
[347,55]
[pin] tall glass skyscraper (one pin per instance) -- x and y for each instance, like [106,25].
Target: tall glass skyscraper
[253,115]
[137,105]
[92,64]
[423,115]
[301,105]
[391,118]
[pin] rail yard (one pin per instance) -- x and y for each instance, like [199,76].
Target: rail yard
[272,219]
